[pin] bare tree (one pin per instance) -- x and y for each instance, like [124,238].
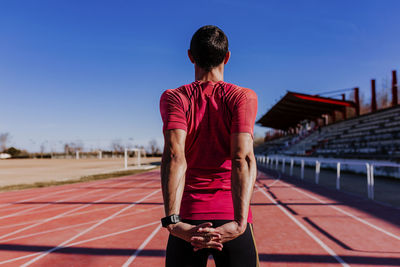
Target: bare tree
[383,98]
[67,148]
[71,148]
[117,146]
[42,148]
[4,138]
[365,105]
[154,149]
[79,146]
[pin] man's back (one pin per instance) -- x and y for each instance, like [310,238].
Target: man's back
[208,167]
[209,112]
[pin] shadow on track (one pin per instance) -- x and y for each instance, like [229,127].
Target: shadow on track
[273,258]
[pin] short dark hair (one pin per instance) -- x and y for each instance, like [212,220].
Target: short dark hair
[208,47]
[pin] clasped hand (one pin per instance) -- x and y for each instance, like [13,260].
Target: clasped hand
[205,236]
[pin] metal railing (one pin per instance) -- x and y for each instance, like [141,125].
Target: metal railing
[273,162]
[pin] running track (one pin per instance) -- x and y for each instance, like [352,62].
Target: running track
[115,222]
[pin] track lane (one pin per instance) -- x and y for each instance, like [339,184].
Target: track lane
[134,186]
[67,210]
[352,240]
[280,241]
[66,242]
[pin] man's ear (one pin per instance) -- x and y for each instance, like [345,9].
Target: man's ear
[190,56]
[227,57]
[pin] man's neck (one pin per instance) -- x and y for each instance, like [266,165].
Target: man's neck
[214,75]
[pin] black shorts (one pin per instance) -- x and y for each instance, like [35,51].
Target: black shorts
[240,251]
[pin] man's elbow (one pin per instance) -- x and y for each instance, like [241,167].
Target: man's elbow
[243,160]
[174,158]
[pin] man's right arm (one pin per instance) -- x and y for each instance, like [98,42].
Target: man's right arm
[244,171]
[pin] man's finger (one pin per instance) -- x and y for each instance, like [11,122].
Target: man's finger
[205,225]
[206,239]
[212,235]
[202,244]
[196,247]
[206,230]
[210,244]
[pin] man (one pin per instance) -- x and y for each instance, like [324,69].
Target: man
[208,167]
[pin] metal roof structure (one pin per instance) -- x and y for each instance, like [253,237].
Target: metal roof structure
[296,107]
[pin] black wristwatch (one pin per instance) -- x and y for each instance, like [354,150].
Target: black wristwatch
[172,219]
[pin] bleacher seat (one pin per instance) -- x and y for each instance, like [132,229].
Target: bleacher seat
[372,135]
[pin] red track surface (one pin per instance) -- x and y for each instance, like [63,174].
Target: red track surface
[115,222]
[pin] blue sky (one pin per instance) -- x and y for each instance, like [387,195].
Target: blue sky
[93,71]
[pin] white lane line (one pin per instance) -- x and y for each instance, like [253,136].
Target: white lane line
[73,226]
[84,241]
[76,187]
[44,253]
[38,206]
[43,205]
[269,185]
[142,246]
[67,212]
[351,215]
[69,215]
[308,232]
[25,211]
[274,183]
[275,180]
[33,192]
[33,198]
[113,234]
[45,195]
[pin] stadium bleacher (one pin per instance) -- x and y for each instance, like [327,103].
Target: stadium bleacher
[308,125]
[373,136]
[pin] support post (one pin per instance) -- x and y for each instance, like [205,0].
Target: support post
[140,152]
[338,176]
[302,169]
[276,163]
[344,112]
[394,89]
[291,167]
[100,154]
[373,96]
[77,154]
[357,100]
[368,180]
[371,168]
[317,170]
[126,158]
[283,165]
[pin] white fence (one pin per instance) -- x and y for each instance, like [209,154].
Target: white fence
[273,162]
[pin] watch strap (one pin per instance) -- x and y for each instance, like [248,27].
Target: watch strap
[172,219]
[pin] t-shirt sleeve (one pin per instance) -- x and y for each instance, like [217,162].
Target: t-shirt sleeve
[244,112]
[172,111]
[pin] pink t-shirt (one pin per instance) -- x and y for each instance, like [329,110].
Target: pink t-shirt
[209,112]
